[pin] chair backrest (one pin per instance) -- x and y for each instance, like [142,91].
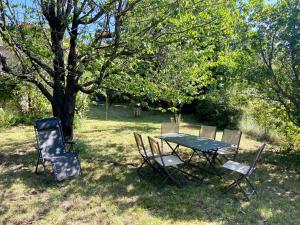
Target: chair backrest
[140,144]
[155,149]
[208,131]
[232,137]
[167,128]
[49,137]
[257,157]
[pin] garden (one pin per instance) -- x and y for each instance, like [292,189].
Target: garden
[149,112]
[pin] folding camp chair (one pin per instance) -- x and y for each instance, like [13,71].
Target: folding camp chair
[231,137]
[145,153]
[245,172]
[51,148]
[168,128]
[206,132]
[165,162]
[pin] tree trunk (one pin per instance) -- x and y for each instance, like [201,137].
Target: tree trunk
[65,111]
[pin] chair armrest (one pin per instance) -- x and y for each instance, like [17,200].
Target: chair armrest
[71,144]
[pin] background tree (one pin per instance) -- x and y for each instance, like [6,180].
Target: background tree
[275,71]
[180,55]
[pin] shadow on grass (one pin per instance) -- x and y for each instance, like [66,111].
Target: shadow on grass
[119,183]
[110,174]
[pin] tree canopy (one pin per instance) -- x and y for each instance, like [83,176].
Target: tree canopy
[169,51]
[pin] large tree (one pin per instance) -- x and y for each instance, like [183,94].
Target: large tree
[275,60]
[54,42]
[70,46]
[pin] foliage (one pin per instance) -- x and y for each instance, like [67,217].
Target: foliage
[21,103]
[8,88]
[273,119]
[7,118]
[217,110]
[274,68]
[178,57]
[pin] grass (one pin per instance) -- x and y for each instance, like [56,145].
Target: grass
[111,192]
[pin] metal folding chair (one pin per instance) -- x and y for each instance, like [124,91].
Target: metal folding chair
[245,172]
[51,147]
[165,162]
[145,153]
[208,131]
[232,137]
[168,128]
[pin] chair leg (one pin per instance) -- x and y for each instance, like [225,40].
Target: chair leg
[189,160]
[163,183]
[234,184]
[237,183]
[169,176]
[146,161]
[151,165]
[37,165]
[211,160]
[251,185]
[243,191]
[219,160]
[140,167]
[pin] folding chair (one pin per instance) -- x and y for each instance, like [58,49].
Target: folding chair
[145,153]
[168,128]
[206,132]
[51,148]
[245,172]
[165,162]
[231,137]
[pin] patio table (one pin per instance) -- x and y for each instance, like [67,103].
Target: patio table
[208,147]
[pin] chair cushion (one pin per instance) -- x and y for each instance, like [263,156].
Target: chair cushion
[237,167]
[169,160]
[50,143]
[65,166]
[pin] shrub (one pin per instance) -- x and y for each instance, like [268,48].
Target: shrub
[8,118]
[220,114]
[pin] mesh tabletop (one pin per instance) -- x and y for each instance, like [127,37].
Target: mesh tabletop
[194,142]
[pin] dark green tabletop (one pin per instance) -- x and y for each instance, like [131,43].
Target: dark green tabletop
[194,142]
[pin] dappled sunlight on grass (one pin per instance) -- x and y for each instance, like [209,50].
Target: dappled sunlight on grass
[111,192]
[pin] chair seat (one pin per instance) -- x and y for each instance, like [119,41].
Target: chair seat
[227,151]
[237,167]
[65,166]
[169,160]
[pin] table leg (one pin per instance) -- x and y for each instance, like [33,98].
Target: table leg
[211,159]
[174,150]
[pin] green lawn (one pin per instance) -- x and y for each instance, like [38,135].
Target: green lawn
[110,191]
